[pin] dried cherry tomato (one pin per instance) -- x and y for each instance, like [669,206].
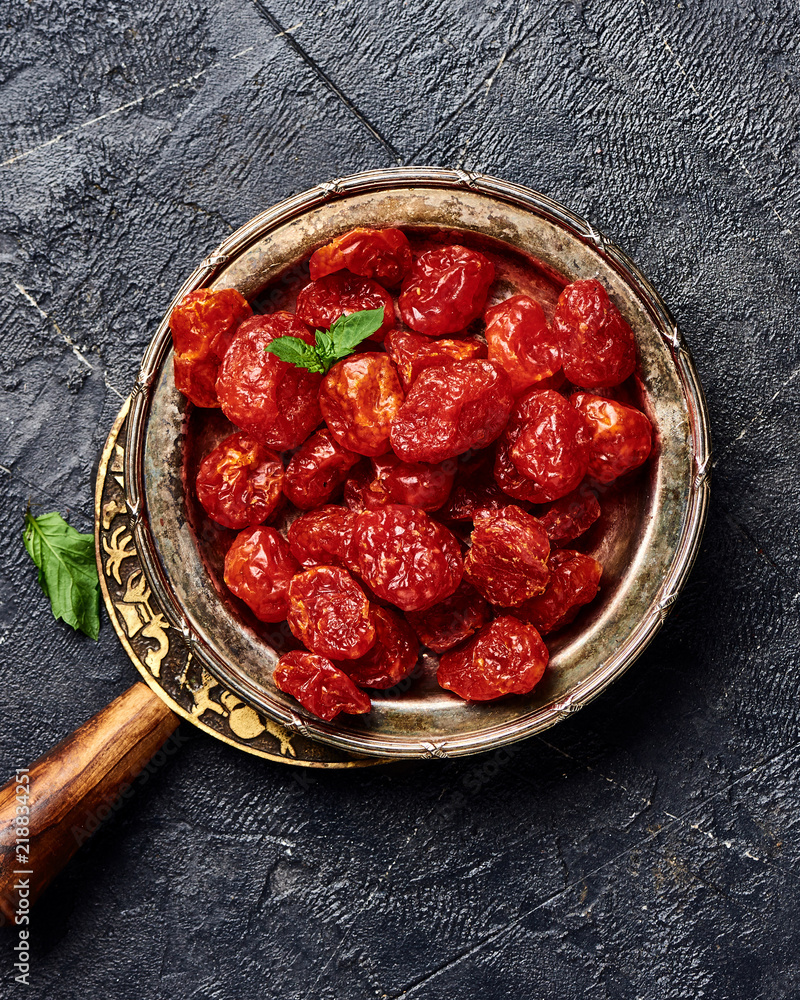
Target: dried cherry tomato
[322,302]
[406,557]
[392,657]
[574,582]
[412,353]
[568,518]
[521,342]
[506,657]
[452,620]
[381,254]
[507,562]
[620,436]
[317,470]
[551,447]
[360,397]
[203,324]
[259,567]
[445,290]
[329,613]
[239,483]
[598,348]
[451,409]
[319,686]
[474,489]
[362,491]
[416,484]
[323,537]
[274,401]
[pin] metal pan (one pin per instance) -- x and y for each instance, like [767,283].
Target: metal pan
[650,531]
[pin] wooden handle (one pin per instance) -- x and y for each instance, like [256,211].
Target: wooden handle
[72,789]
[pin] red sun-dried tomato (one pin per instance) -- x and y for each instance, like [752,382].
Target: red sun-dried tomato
[474,489]
[406,557]
[598,348]
[329,613]
[451,409]
[239,483]
[412,353]
[452,620]
[445,290]
[322,302]
[620,436]
[507,562]
[392,657]
[521,342]
[574,582]
[317,470]
[551,446]
[381,254]
[274,401]
[319,686]
[416,484]
[506,657]
[362,491]
[259,567]
[360,398]
[568,518]
[203,324]
[323,536]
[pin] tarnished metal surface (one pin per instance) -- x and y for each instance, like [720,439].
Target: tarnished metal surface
[651,535]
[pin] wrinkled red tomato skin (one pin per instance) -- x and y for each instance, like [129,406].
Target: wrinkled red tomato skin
[506,657]
[568,518]
[360,397]
[452,409]
[319,686]
[474,489]
[551,448]
[323,537]
[322,302]
[521,342]
[239,483]
[381,254]
[621,437]
[329,613]
[451,621]
[392,657]
[416,484]
[598,348]
[274,401]
[317,470]
[405,557]
[412,353]
[445,290]
[507,562]
[203,324]
[259,567]
[574,582]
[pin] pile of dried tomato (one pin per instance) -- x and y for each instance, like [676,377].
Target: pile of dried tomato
[437,476]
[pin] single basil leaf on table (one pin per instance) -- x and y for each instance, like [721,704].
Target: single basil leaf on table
[296,352]
[67,569]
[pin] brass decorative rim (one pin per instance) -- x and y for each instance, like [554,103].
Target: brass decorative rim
[696,414]
[160,654]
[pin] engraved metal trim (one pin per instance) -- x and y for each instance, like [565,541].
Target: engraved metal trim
[502,193]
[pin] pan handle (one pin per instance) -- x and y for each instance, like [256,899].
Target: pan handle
[71,790]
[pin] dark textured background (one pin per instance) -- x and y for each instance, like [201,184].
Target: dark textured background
[647,848]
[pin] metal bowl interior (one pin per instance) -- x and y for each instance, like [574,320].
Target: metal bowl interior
[646,539]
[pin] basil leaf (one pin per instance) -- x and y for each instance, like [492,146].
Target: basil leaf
[296,352]
[348,331]
[330,345]
[67,569]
